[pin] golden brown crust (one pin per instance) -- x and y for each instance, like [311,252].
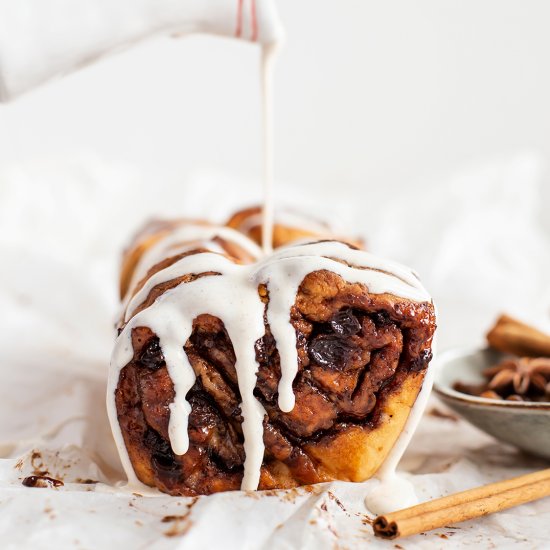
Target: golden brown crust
[356,454]
[247,222]
[131,258]
[151,234]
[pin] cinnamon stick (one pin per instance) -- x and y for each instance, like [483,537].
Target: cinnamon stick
[512,336]
[463,506]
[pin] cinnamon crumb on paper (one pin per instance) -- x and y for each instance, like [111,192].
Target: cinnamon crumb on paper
[438,413]
[181,523]
[42,482]
[178,531]
[169,519]
[338,502]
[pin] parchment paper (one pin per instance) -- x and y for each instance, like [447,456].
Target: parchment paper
[479,245]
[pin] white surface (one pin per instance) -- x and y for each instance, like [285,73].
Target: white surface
[61,229]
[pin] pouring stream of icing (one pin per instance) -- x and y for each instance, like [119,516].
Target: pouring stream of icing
[269,53]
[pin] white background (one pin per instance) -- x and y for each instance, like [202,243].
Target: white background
[368,94]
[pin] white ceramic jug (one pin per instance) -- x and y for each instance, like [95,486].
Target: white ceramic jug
[42,39]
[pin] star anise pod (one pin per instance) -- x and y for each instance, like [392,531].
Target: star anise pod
[524,377]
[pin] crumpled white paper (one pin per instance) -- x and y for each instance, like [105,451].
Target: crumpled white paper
[476,240]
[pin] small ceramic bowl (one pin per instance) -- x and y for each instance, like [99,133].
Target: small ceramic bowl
[520,423]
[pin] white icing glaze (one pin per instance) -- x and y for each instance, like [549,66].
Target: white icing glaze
[288,219]
[187,237]
[286,269]
[394,492]
[232,296]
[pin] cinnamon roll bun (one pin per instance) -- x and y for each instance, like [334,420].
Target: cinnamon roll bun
[236,371]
